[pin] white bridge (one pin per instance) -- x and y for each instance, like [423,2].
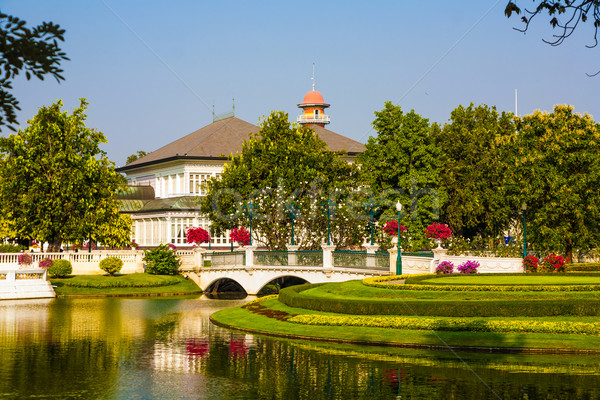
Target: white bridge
[253,279]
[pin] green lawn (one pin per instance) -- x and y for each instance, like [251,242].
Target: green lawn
[241,318]
[525,279]
[122,285]
[357,290]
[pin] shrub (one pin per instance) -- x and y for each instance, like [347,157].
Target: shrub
[530,264]
[240,235]
[60,269]
[445,267]
[111,265]
[162,261]
[552,263]
[468,267]
[582,267]
[391,228]
[24,259]
[46,262]
[12,248]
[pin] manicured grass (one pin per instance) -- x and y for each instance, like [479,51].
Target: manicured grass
[122,285]
[356,312]
[245,319]
[357,290]
[524,279]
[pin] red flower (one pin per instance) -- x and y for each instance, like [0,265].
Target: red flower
[197,235]
[391,228]
[438,231]
[240,235]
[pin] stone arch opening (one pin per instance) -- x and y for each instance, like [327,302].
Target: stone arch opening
[274,285]
[225,288]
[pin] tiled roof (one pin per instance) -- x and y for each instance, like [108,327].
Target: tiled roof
[222,138]
[136,193]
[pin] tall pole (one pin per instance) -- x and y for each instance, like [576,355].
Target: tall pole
[524,208]
[399,259]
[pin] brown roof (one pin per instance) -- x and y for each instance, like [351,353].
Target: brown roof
[222,138]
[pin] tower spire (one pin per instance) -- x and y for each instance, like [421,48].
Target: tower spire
[313,77]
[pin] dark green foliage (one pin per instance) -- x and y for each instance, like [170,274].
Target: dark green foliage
[402,163]
[111,265]
[133,157]
[57,184]
[60,269]
[293,297]
[33,50]
[474,167]
[12,248]
[162,261]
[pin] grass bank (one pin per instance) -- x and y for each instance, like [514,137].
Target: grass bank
[504,330]
[124,285]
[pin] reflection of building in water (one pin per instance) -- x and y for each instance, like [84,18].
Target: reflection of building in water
[23,320]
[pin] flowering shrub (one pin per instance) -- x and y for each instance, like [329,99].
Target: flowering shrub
[240,235]
[24,259]
[46,262]
[530,263]
[197,235]
[171,246]
[134,245]
[445,267]
[391,228]
[438,231]
[552,263]
[468,267]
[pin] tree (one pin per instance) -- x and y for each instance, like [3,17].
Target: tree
[133,157]
[402,163]
[281,165]
[474,169]
[55,182]
[556,171]
[33,50]
[576,12]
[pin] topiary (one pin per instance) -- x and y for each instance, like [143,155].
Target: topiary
[111,265]
[60,269]
[162,260]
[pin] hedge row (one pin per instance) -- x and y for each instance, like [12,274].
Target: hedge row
[117,283]
[582,267]
[455,324]
[414,282]
[293,297]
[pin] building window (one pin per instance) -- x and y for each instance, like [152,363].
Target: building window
[197,182]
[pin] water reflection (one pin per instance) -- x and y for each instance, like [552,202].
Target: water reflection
[166,348]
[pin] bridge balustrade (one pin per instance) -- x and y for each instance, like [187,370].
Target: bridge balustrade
[361,259]
[228,259]
[298,258]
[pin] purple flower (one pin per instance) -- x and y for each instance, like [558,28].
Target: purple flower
[445,267]
[468,267]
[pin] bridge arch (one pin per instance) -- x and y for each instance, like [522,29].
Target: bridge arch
[282,281]
[224,284]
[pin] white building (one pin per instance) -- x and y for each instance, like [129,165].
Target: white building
[165,185]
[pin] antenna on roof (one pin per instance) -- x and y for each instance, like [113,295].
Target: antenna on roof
[313,76]
[213,111]
[233,106]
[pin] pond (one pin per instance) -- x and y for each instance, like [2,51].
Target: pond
[166,348]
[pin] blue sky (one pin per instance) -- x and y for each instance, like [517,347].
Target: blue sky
[152,70]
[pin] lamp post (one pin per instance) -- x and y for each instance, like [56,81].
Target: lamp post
[250,211]
[231,216]
[292,212]
[370,208]
[524,208]
[399,259]
[329,210]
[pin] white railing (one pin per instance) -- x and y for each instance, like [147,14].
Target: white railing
[312,119]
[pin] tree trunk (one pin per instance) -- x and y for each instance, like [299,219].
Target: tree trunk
[54,245]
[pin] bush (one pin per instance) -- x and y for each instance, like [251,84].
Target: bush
[593,266]
[293,296]
[530,264]
[46,262]
[162,261]
[111,265]
[60,269]
[445,267]
[12,248]
[552,263]
[468,267]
